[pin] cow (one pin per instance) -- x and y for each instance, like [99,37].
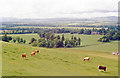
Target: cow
[23,55]
[117,53]
[36,51]
[102,68]
[113,53]
[86,58]
[33,53]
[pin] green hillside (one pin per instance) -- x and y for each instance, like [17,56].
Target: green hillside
[55,61]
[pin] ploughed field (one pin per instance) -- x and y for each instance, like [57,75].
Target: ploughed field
[59,61]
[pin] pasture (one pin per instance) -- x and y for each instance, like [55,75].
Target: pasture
[55,62]
[60,61]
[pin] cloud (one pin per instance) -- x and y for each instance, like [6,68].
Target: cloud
[58,8]
[94,11]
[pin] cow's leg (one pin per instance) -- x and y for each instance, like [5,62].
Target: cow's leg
[105,70]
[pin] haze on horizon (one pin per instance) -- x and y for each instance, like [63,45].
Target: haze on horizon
[58,8]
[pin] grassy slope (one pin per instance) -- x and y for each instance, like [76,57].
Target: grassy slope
[54,61]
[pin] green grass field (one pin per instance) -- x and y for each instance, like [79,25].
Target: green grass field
[55,62]
[60,61]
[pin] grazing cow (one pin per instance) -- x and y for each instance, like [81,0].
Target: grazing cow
[116,53]
[33,53]
[23,55]
[113,53]
[86,58]
[102,68]
[36,51]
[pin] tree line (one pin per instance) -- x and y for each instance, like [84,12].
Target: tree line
[55,30]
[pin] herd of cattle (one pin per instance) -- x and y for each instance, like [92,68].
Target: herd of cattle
[86,58]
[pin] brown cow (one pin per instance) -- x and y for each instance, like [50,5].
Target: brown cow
[33,53]
[36,51]
[102,68]
[86,58]
[23,55]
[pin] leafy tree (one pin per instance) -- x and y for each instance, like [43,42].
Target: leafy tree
[72,37]
[24,41]
[81,31]
[14,40]
[79,40]
[18,39]
[116,36]
[69,45]
[6,38]
[58,37]
[59,44]
[52,37]
[87,31]
[32,40]
[75,38]
[47,35]
[21,40]
[34,43]
[66,42]
[47,44]
[63,37]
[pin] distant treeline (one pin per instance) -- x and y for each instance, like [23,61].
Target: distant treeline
[39,25]
[53,25]
[101,31]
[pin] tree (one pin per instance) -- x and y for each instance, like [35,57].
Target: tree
[47,36]
[52,37]
[72,37]
[34,43]
[14,40]
[51,45]
[66,42]
[24,41]
[21,40]
[18,39]
[58,37]
[59,44]
[63,37]
[79,40]
[87,31]
[81,31]
[47,44]
[32,40]
[72,42]
[104,39]
[115,36]
[75,38]
[6,38]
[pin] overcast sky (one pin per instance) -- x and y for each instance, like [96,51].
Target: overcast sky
[58,8]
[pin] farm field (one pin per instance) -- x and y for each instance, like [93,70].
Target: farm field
[55,61]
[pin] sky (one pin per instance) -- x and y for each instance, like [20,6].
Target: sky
[58,8]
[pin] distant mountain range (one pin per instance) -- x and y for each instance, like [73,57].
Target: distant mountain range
[100,20]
